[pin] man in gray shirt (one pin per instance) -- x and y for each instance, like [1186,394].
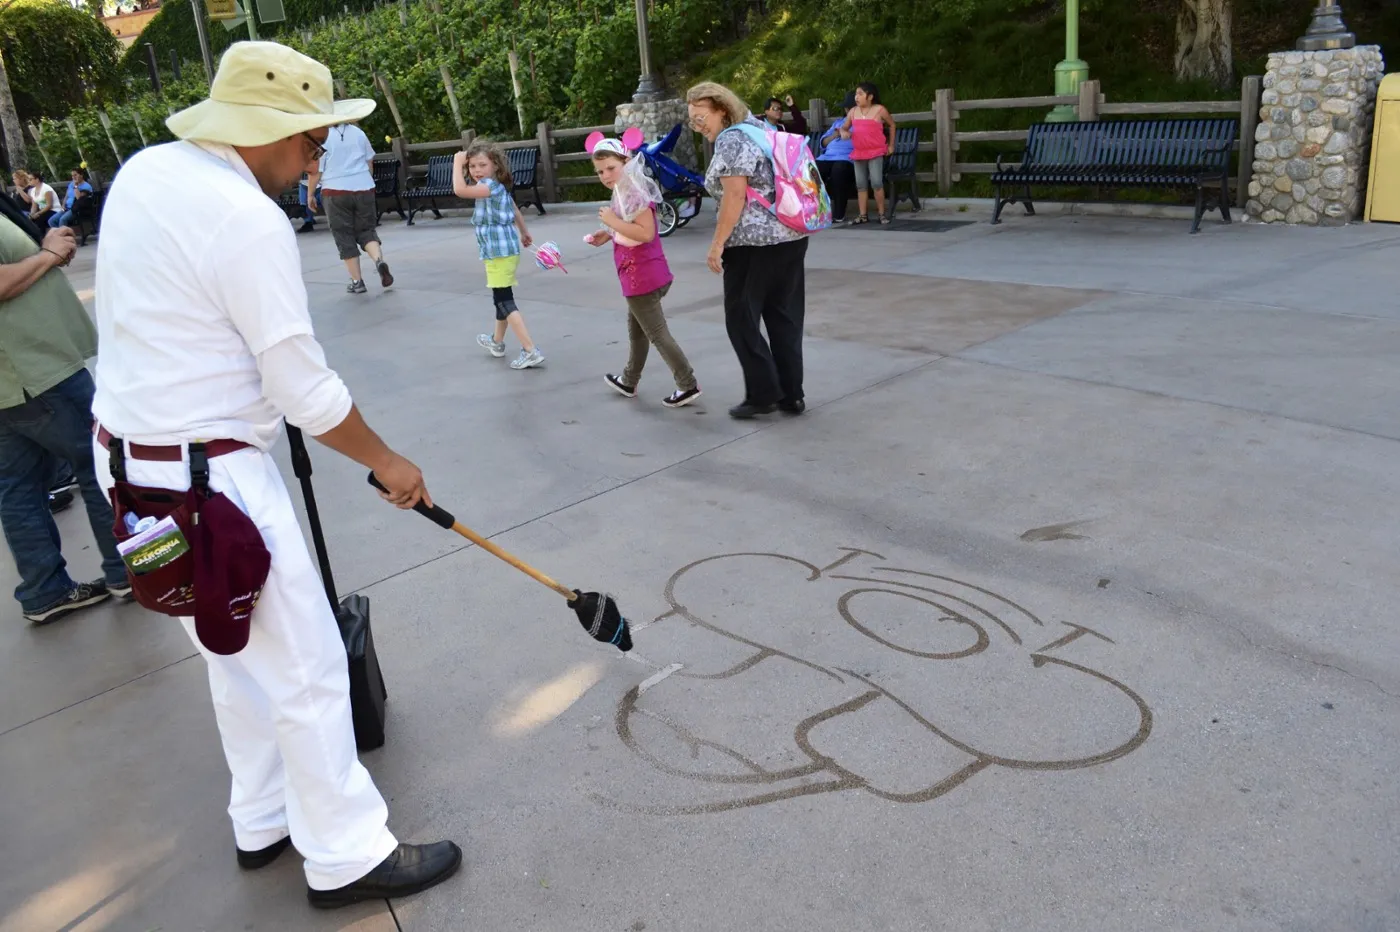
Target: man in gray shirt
[346,176]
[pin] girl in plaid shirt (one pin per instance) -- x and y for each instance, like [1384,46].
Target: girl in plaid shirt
[498,243]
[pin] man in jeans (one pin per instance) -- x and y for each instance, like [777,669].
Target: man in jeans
[45,419]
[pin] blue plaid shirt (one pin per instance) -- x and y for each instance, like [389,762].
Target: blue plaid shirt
[494,216]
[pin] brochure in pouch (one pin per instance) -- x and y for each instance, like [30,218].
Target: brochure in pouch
[156,546]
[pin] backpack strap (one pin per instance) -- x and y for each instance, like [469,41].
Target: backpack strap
[765,145]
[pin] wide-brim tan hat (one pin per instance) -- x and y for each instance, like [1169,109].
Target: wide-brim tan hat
[263,92]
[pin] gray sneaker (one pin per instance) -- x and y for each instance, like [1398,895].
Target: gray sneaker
[81,596]
[528,359]
[484,341]
[356,287]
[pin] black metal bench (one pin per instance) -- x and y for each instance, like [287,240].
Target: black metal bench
[900,167]
[524,171]
[386,186]
[438,183]
[1125,153]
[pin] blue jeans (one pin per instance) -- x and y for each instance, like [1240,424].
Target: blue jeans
[62,219]
[34,436]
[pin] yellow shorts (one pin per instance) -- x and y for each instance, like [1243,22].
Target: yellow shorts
[500,273]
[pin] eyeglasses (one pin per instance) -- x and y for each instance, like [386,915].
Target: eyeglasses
[698,121]
[317,149]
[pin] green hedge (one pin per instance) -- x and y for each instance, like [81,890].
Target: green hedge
[57,57]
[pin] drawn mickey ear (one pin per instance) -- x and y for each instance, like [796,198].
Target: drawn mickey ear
[592,141]
[633,138]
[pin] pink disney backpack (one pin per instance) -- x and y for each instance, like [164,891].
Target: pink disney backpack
[801,203]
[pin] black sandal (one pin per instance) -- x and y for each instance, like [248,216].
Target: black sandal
[861,219]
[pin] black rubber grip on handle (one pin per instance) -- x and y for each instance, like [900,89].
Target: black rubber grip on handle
[439,516]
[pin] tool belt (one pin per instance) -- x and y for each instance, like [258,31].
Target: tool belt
[219,576]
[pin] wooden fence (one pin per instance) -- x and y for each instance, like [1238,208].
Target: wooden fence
[944,139]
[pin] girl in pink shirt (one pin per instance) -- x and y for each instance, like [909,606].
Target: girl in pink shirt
[629,222]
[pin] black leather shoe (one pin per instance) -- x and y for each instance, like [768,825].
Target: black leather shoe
[410,869]
[748,409]
[792,407]
[252,860]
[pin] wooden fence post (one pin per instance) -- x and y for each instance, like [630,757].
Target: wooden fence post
[388,92]
[817,122]
[946,115]
[513,60]
[1089,100]
[107,127]
[38,144]
[399,145]
[140,133]
[550,185]
[468,137]
[1250,90]
[451,96]
[77,143]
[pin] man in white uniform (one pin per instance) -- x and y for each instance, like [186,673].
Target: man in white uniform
[204,334]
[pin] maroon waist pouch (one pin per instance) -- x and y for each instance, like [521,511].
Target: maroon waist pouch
[219,579]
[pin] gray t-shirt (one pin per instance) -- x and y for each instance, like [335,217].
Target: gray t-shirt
[737,154]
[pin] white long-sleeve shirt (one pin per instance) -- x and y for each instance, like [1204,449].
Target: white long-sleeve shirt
[202,320]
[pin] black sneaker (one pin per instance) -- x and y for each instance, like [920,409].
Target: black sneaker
[356,287]
[679,399]
[621,387]
[68,483]
[792,407]
[306,228]
[746,410]
[385,278]
[59,501]
[120,591]
[82,595]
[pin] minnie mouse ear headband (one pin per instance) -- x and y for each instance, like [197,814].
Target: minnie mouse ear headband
[631,141]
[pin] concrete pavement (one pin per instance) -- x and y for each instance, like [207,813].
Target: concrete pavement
[1068,605]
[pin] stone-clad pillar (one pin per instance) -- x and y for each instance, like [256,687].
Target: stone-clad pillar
[656,119]
[1314,136]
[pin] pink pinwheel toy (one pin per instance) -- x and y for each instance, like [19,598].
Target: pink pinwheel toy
[547,257]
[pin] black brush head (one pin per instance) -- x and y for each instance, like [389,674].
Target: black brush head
[602,619]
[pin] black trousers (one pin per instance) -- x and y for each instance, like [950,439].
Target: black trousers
[840,181]
[767,284]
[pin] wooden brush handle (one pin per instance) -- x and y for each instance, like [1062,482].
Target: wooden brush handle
[443,518]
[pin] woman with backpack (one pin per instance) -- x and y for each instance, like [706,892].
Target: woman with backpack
[762,260]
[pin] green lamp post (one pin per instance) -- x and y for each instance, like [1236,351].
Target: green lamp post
[1071,72]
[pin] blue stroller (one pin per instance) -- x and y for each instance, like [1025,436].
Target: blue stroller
[681,188]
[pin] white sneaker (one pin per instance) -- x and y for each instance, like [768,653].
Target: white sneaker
[491,346]
[528,359]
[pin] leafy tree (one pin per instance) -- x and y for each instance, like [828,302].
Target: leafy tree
[57,57]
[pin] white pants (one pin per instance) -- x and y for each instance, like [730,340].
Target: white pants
[283,702]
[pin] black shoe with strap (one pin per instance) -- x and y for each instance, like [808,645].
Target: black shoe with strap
[410,869]
[252,860]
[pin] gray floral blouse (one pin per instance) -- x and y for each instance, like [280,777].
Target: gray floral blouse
[737,154]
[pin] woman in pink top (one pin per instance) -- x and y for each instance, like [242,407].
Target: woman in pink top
[630,223]
[866,122]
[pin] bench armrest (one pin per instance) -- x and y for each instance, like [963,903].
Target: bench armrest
[1018,161]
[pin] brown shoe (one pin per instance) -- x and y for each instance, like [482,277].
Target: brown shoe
[385,278]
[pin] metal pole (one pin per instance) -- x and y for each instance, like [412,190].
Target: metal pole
[197,7]
[1327,31]
[648,88]
[252,20]
[1071,72]
[151,64]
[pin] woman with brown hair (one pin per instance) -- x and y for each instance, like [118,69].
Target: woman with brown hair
[763,261]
